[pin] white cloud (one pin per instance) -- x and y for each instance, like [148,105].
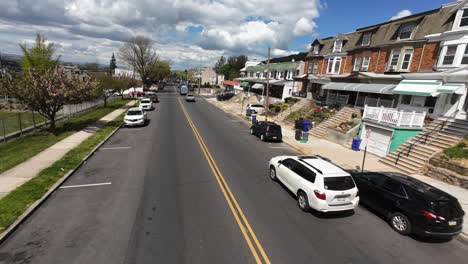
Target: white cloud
[227,26]
[303,26]
[402,13]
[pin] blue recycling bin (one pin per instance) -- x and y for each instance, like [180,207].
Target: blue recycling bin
[254,118]
[356,144]
[305,126]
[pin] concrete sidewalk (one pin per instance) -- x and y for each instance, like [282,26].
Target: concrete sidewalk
[16,176]
[352,160]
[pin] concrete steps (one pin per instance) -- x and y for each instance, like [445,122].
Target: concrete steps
[415,154]
[344,115]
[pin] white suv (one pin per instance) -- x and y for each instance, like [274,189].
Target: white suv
[258,108]
[317,183]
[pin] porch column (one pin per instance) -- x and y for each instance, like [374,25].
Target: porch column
[357,97]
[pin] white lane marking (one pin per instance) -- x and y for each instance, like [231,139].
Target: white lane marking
[112,148]
[85,185]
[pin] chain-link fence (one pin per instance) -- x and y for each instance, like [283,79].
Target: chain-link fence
[16,123]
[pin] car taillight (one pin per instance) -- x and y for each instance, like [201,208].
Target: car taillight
[432,216]
[320,195]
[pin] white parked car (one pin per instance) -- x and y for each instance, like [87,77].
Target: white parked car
[146,104]
[190,98]
[258,108]
[135,117]
[317,183]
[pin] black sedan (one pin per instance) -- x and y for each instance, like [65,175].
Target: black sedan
[410,206]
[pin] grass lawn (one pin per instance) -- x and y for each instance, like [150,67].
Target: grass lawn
[11,121]
[18,201]
[21,149]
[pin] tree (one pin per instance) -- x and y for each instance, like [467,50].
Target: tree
[112,65]
[42,86]
[105,87]
[220,63]
[48,91]
[231,68]
[40,57]
[158,71]
[139,54]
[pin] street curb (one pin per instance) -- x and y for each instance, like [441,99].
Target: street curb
[462,237]
[12,228]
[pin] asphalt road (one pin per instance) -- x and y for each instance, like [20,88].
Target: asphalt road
[163,200]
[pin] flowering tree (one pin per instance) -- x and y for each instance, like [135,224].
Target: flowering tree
[47,91]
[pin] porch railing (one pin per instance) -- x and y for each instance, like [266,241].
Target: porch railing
[394,116]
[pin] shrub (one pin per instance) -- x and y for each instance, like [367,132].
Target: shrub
[290,100]
[457,152]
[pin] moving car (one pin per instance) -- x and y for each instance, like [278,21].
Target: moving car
[258,108]
[135,117]
[410,205]
[317,183]
[190,98]
[183,89]
[224,96]
[266,130]
[146,104]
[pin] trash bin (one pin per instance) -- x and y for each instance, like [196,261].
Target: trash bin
[356,144]
[305,126]
[305,137]
[298,135]
[254,118]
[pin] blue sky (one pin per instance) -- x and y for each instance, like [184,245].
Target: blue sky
[347,16]
[190,32]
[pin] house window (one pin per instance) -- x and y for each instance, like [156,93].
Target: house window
[406,99]
[310,67]
[394,59]
[357,64]
[365,64]
[315,49]
[330,66]
[334,65]
[465,55]
[405,31]
[315,68]
[419,101]
[406,59]
[366,38]
[449,55]
[338,45]
[337,65]
[464,18]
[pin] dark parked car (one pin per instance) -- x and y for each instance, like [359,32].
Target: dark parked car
[411,206]
[266,130]
[224,96]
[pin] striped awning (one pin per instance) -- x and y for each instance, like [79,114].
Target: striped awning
[456,88]
[258,86]
[418,87]
[377,88]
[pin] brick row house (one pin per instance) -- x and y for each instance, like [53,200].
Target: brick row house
[401,73]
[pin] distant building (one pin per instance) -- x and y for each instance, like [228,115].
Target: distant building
[208,75]
[128,73]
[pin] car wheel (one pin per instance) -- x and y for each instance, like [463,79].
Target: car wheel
[272,173]
[251,131]
[303,201]
[262,137]
[400,223]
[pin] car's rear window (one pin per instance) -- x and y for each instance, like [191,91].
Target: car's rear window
[274,129]
[145,101]
[446,208]
[257,105]
[338,183]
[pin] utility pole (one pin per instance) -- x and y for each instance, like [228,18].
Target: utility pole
[267,85]
[199,77]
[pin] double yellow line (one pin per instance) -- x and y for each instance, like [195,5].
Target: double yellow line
[255,247]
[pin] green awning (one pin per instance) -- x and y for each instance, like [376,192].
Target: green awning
[245,84]
[418,87]
[377,88]
[456,88]
[282,66]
